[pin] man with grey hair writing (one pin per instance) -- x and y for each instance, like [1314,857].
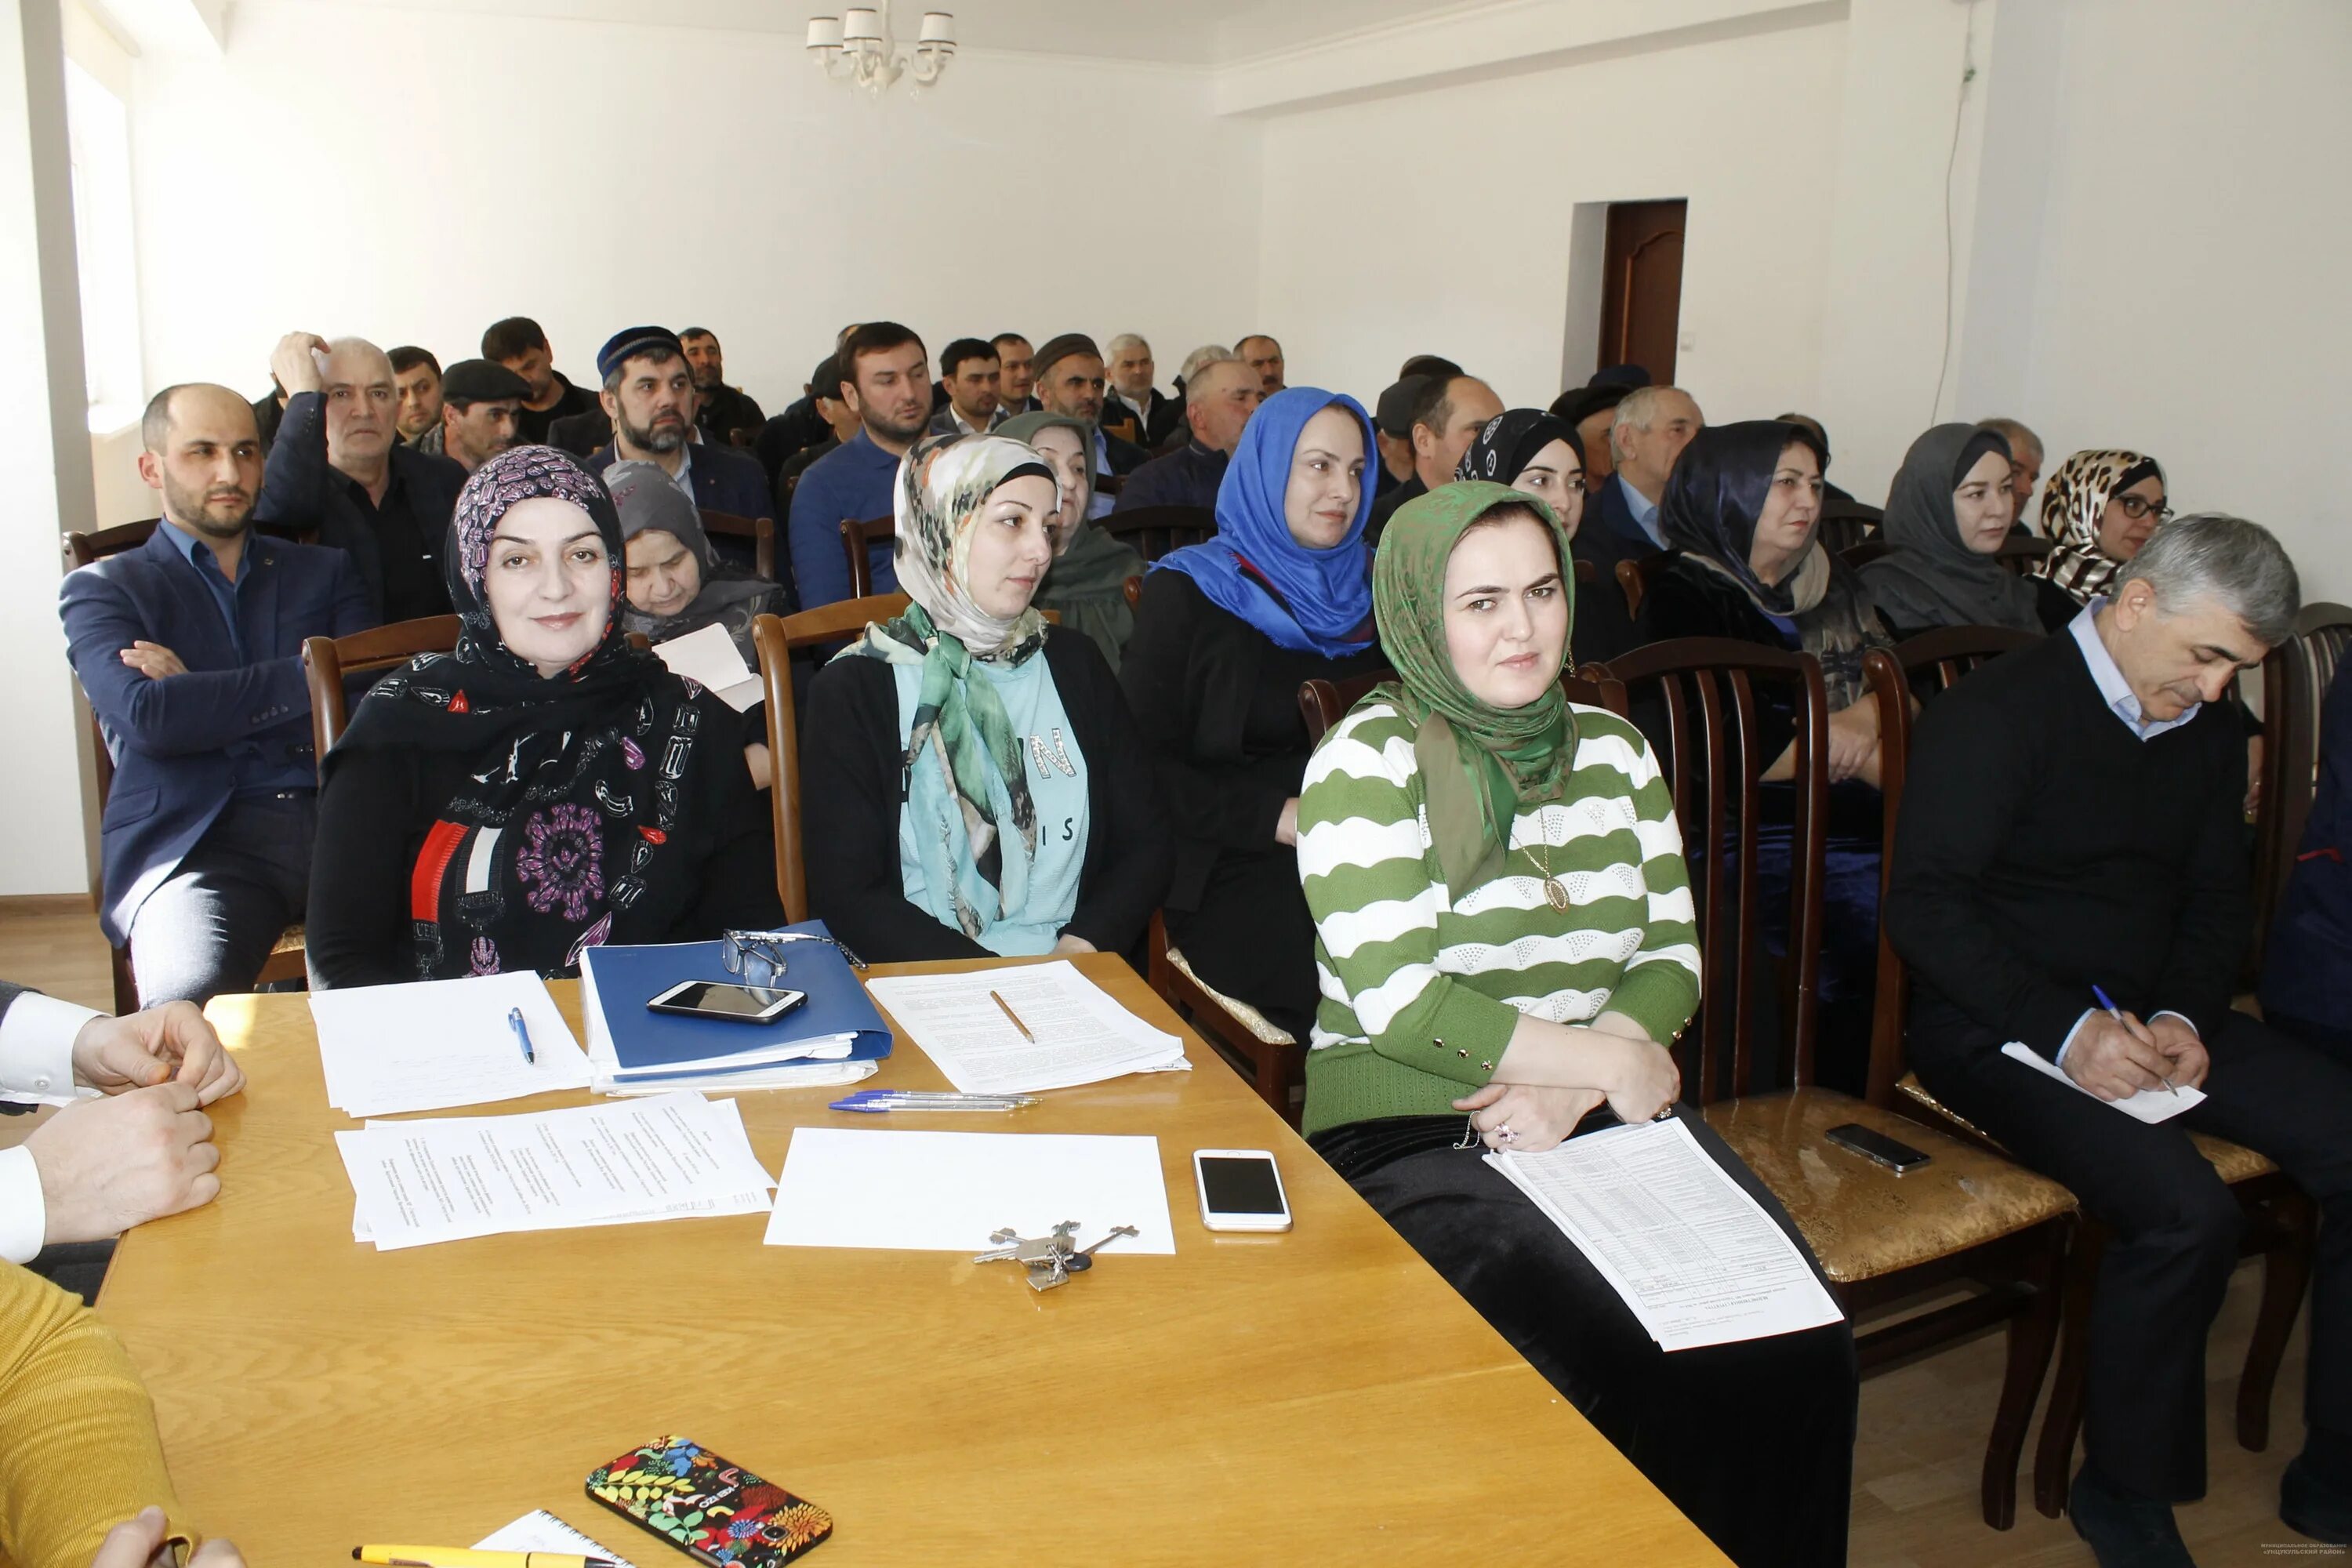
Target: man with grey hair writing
[2070,874]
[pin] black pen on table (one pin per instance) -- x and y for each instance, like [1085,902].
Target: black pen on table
[523,1034]
[2116,1013]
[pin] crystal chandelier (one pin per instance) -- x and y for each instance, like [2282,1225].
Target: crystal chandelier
[858,47]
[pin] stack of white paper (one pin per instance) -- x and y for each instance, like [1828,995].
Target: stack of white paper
[2150,1105]
[971,1024]
[948,1191]
[1696,1258]
[433,1043]
[709,656]
[670,1158]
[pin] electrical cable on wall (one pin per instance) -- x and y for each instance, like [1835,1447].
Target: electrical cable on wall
[1951,162]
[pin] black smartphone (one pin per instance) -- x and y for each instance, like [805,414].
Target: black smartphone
[723,999]
[1878,1147]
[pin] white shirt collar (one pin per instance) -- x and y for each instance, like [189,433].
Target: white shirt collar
[2108,677]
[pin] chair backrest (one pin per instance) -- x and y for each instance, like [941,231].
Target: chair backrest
[2022,553]
[1587,573]
[1133,589]
[1154,531]
[1109,484]
[759,530]
[327,661]
[1917,668]
[81,549]
[1634,576]
[1702,694]
[1863,552]
[857,540]
[2295,681]
[1323,703]
[1848,523]
[776,637]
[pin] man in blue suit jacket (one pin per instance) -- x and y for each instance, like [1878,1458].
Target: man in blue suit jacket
[1653,424]
[190,647]
[649,394]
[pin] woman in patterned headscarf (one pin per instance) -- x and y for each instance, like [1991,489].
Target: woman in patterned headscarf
[2098,509]
[973,783]
[542,789]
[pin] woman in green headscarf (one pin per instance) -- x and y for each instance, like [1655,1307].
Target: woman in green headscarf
[1504,926]
[1086,585]
[972,782]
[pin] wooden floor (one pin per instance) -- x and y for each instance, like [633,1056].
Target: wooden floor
[1923,1425]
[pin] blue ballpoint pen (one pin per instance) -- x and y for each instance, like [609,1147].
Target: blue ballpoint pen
[2116,1013]
[514,1022]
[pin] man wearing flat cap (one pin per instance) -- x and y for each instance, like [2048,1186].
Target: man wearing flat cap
[481,407]
[650,398]
[1069,371]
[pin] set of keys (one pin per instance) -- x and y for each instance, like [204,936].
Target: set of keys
[1049,1260]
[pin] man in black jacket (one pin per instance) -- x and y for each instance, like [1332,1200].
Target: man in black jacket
[2071,833]
[519,343]
[723,409]
[338,470]
[1070,382]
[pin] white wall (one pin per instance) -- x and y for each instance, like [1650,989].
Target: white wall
[412,176]
[1439,221]
[2190,299]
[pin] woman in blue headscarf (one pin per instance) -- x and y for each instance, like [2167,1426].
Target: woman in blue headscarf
[1225,634]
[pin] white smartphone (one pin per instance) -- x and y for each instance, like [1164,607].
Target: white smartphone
[722,999]
[1240,1190]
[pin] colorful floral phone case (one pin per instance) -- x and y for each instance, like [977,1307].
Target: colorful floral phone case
[721,1513]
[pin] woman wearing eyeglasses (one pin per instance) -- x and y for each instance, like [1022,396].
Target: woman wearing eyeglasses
[2099,508]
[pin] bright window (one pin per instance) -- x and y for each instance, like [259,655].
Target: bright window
[97,130]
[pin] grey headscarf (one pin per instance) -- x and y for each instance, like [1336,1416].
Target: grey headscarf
[1930,578]
[648,501]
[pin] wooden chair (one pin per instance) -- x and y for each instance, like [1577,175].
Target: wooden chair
[1969,1217]
[1133,589]
[2022,554]
[285,961]
[776,637]
[327,662]
[759,530]
[1634,576]
[1846,525]
[857,540]
[1154,531]
[1109,484]
[1863,552]
[2281,1221]
[2295,679]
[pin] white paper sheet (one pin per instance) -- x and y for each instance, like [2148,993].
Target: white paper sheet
[1697,1259]
[946,1192]
[542,1531]
[429,1181]
[431,1045]
[2149,1105]
[711,656]
[1082,1035]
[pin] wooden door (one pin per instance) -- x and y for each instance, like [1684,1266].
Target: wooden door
[1640,305]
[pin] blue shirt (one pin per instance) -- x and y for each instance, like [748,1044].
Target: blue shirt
[1644,510]
[850,483]
[256,771]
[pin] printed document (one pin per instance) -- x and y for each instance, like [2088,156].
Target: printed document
[970,1024]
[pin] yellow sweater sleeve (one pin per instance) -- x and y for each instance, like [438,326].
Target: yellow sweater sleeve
[78,1452]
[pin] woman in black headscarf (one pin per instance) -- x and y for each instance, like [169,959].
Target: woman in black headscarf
[1540,454]
[1742,510]
[543,789]
[1946,514]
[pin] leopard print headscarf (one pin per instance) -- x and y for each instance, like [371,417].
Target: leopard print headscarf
[2073,503]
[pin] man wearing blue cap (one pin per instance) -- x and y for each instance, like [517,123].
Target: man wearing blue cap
[650,398]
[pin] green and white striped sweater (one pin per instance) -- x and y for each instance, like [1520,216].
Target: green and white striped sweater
[1420,993]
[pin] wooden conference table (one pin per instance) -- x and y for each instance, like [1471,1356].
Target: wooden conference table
[1316,1396]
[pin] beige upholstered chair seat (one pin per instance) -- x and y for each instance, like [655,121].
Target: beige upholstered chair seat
[1249,1018]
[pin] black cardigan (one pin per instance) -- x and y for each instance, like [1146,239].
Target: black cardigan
[1195,677]
[852,782]
[378,805]
[2043,848]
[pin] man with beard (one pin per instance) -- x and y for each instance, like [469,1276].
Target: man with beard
[190,649]
[416,378]
[724,409]
[886,382]
[1070,381]
[479,406]
[649,397]
[338,473]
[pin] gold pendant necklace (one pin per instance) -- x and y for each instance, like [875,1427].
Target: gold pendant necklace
[1555,892]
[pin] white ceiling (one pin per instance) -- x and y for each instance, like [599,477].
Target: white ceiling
[1172,32]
